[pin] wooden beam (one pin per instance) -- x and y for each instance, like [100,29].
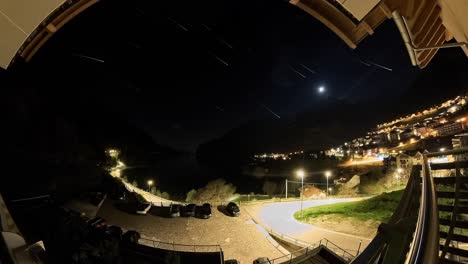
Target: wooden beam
[385,10]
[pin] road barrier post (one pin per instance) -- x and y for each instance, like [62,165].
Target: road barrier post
[359,248]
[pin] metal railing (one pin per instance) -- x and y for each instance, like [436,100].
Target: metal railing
[180,247]
[425,245]
[311,250]
[412,234]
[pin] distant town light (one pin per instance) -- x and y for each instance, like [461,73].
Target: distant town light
[442,149]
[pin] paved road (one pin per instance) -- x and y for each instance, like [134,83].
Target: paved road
[279,217]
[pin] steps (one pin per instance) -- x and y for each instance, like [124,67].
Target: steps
[456,237]
[452,197]
[459,224]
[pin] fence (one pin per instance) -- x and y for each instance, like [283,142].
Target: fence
[311,250]
[180,247]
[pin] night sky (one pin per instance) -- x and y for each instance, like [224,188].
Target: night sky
[186,72]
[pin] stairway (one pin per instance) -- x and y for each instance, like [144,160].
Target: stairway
[452,200]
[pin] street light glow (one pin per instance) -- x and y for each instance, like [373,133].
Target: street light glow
[327,174]
[321,89]
[150,182]
[300,173]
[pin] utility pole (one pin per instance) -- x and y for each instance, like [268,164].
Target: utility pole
[286,188]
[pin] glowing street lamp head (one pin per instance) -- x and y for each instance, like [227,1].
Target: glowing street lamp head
[300,173]
[328,174]
[150,182]
[321,89]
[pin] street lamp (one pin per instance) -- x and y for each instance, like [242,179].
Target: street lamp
[301,173]
[149,182]
[327,174]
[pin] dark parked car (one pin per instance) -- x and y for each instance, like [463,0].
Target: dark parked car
[203,211]
[233,209]
[174,210]
[189,210]
[131,237]
[262,261]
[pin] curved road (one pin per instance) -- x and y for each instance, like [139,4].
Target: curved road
[279,217]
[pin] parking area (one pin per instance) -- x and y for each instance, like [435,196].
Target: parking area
[239,237]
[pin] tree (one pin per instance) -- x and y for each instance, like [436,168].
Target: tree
[135,183]
[216,191]
[157,192]
[191,195]
[165,195]
[124,178]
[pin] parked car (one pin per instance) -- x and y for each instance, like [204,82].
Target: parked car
[189,210]
[233,209]
[262,261]
[131,237]
[174,210]
[143,208]
[203,211]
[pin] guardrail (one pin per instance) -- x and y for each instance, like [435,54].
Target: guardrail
[412,234]
[180,247]
[425,245]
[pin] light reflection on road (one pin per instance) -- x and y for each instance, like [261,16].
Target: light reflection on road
[279,216]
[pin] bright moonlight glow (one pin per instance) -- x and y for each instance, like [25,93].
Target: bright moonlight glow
[321,89]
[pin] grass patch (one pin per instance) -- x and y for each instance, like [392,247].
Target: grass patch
[379,208]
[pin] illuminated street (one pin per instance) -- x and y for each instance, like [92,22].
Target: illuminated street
[279,217]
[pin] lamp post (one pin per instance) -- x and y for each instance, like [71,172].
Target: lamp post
[327,174]
[301,173]
[399,171]
[149,182]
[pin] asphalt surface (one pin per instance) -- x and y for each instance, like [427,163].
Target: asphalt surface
[279,217]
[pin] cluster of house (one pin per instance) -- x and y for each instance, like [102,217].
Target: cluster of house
[397,136]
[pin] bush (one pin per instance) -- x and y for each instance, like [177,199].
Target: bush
[191,195]
[157,192]
[135,183]
[165,195]
[217,191]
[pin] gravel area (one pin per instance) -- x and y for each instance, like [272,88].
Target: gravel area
[239,237]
